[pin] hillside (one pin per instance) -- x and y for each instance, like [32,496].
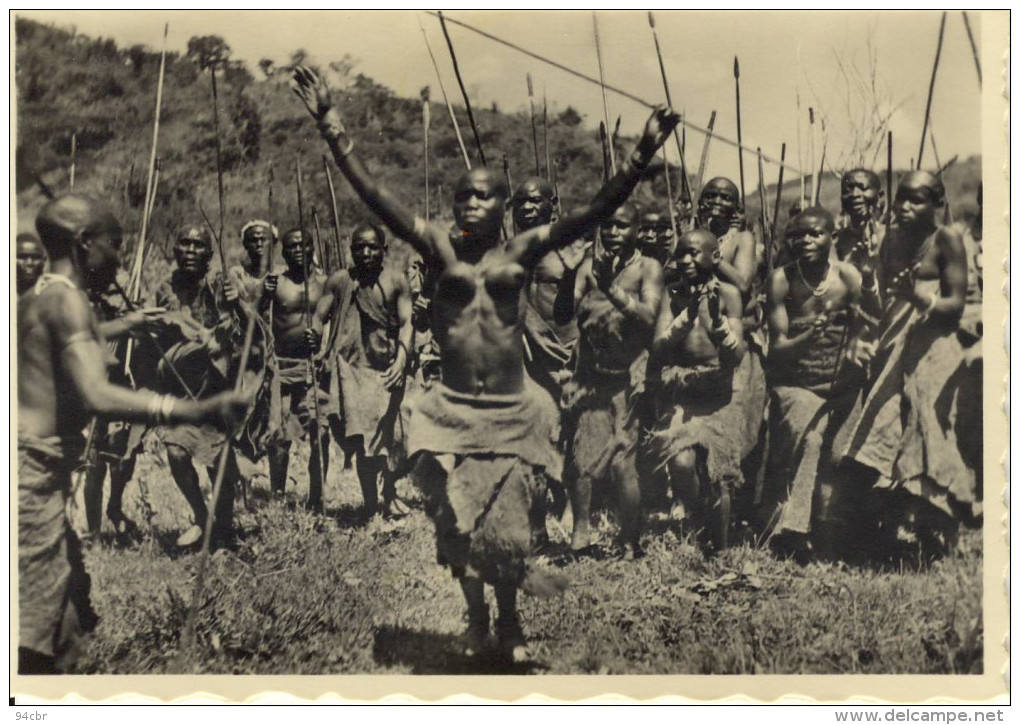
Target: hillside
[105,94]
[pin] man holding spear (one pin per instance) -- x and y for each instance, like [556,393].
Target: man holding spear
[482,441]
[292,294]
[61,382]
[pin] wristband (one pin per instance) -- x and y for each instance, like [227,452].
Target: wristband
[160,408]
[638,160]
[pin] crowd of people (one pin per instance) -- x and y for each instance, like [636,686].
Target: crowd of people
[821,394]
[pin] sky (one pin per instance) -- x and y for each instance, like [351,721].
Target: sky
[781,54]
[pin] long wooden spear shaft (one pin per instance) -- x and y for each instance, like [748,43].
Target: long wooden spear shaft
[74,149]
[545,133]
[219,158]
[811,146]
[669,196]
[686,186]
[463,90]
[155,189]
[328,262]
[317,442]
[765,226]
[889,191]
[605,103]
[340,251]
[931,88]
[973,45]
[740,136]
[188,636]
[818,175]
[703,164]
[606,159]
[534,126]
[446,100]
[426,123]
[134,281]
[619,91]
[510,190]
[800,149]
[779,194]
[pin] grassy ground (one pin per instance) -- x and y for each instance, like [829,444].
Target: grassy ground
[337,594]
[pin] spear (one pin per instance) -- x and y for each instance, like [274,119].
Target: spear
[703,164]
[317,443]
[426,122]
[188,636]
[948,219]
[327,261]
[607,142]
[888,181]
[556,191]
[509,187]
[534,127]
[545,132]
[740,136]
[931,88]
[606,158]
[811,146]
[818,176]
[134,282]
[446,99]
[216,130]
[155,187]
[340,252]
[463,90]
[680,144]
[219,240]
[973,45]
[669,195]
[779,193]
[74,149]
[800,151]
[765,226]
[590,79]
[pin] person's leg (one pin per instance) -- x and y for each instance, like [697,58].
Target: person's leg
[186,478]
[628,501]
[279,461]
[478,614]
[121,473]
[684,482]
[579,489]
[368,476]
[508,622]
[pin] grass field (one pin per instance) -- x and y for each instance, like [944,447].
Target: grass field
[336,594]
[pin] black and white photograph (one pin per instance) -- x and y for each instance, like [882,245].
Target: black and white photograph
[504,343]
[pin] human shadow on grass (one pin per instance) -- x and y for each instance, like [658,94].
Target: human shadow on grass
[432,653]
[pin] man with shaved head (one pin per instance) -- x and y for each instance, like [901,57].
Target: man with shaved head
[483,440]
[293,294]
[907,435]
[200,337]
[368,309]
[29,259]
[814,330]
[550,340]
[617,293]
[62,381]
[707,409]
